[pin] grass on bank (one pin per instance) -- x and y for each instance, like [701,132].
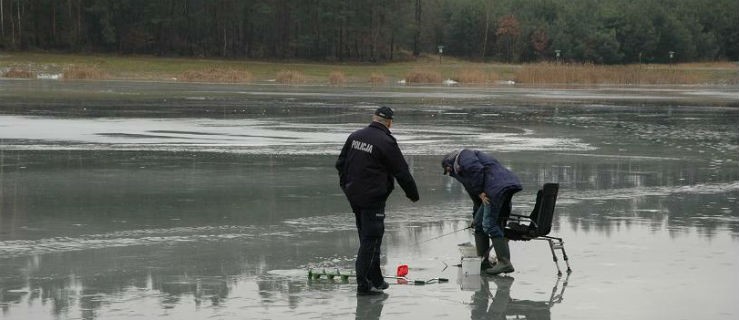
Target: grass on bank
[549,73]
[425,70]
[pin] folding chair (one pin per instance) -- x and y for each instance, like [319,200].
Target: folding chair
[538,224]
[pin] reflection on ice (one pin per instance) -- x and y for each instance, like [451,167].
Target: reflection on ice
[631,193]
[498,301]
[19,248]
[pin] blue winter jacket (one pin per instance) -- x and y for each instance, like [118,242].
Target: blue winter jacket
[478,172]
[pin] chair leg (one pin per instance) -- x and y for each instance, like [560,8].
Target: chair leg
[564,256]
[560,244]
[554,256]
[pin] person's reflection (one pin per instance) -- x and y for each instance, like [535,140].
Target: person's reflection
[486,305]
[370,307]
[483,307]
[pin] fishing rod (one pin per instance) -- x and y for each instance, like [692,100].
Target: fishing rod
[444,235]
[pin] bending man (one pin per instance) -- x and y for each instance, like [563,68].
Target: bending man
[491,186]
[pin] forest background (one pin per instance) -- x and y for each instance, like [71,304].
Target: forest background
[510,31]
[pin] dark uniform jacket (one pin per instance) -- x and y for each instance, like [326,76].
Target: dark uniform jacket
[479,172]
[368,164]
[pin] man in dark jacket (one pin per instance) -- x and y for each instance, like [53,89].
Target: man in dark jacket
[369,163]
[491,186]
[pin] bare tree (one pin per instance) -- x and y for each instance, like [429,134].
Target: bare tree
[53,22]
[2,20]
[20,27]
[417,35]
[12,25]
[488,12]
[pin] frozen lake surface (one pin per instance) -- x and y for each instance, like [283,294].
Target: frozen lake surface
[129,200]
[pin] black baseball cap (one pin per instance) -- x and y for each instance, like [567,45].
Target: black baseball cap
[384,112]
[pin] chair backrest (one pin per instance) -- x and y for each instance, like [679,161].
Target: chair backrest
[543,212]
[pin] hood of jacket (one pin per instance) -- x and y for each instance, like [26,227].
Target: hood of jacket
[450,160]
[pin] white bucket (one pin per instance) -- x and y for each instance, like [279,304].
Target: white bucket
[471,265]
[467,250]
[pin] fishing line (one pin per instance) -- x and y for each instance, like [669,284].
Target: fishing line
[443,235]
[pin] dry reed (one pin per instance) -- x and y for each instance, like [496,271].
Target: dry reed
[475,76]
[219,75]
[83,72]
[377,78]
[494,77]
[423,76]
[336,78]
[470,76]
[19,73]
[291,77]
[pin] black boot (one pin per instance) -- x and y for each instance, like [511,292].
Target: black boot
[503,252]
[482,244]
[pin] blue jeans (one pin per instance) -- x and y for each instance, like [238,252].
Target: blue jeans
[486,219]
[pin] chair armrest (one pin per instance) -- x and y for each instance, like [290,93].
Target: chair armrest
[521,219]
[518,217]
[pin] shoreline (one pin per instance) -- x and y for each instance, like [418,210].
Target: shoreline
[424,71]
[151,93]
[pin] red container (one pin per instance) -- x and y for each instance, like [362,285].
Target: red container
[402,270]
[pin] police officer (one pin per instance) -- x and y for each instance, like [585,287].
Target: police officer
[369,162]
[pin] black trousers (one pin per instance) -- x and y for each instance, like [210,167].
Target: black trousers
[371,228]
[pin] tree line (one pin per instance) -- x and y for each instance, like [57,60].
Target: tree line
[598,31]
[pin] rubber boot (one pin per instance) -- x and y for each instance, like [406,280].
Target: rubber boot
[482,245]
[504,257]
